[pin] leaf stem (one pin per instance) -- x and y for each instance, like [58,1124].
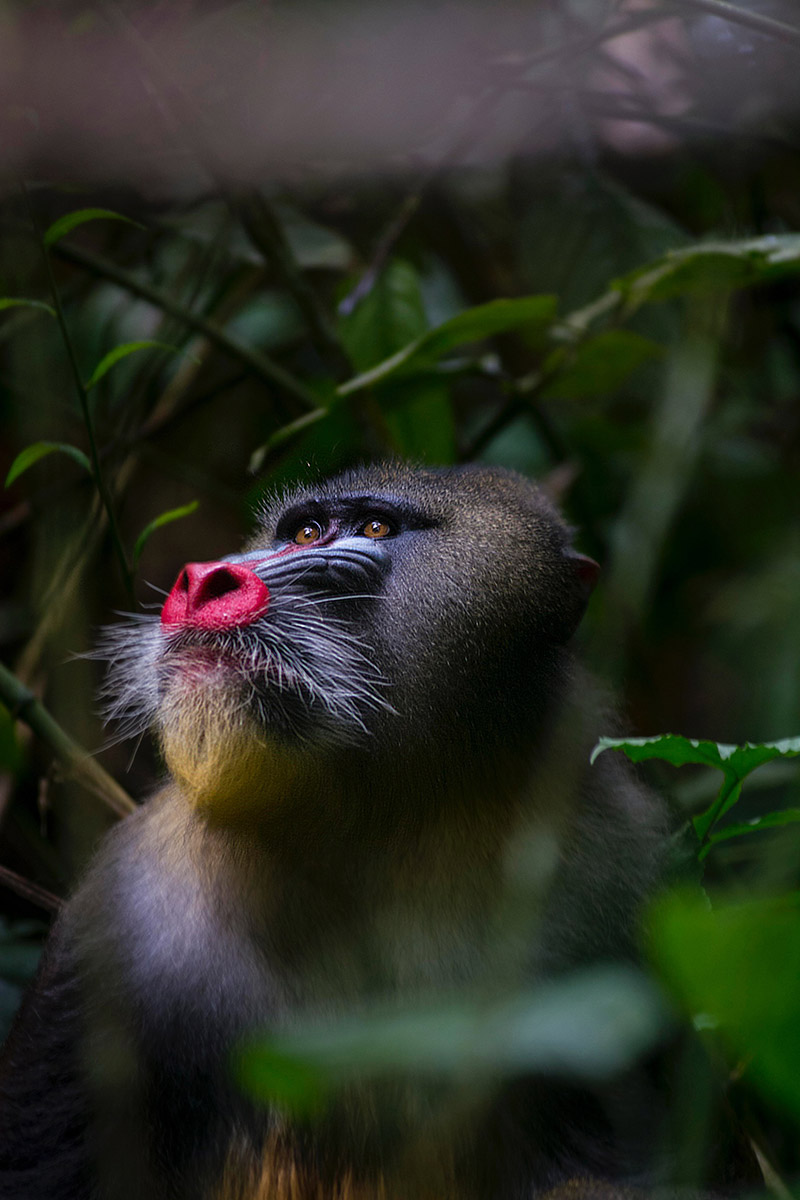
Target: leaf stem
[263,227]
[740,16]
[263,368]
[23,705]
[727,796]
[83,399]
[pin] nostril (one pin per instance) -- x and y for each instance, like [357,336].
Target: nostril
[218,583]
[215,596]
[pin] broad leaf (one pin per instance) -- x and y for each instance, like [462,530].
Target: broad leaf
[587,1026]
[419,414]
[599,365]
[31,454]
[702,268]
[678,750]
[739,966]
[712,266]
[472,325]
[72,220]
[735,762]
[391,315]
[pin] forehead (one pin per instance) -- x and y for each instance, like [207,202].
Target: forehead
[437,495]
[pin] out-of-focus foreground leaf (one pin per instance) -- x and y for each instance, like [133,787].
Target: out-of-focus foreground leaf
[588,1026]
[737,967]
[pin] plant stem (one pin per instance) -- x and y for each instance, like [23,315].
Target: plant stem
[740,16]
[263,368]
[29,890]
[23,705]
[263,227]
[83,399]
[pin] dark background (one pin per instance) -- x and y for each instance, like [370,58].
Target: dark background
[308,188]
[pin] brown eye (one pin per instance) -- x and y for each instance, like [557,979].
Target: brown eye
[376,529]
[308,533]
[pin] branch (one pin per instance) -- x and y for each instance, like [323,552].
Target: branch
[264,230]
[83,400]
[263,368]
[30,891]
[740,16]
[23,705]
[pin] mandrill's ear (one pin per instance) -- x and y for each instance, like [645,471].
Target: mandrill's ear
[583,572]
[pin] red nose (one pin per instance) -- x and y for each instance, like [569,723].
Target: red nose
[215,595]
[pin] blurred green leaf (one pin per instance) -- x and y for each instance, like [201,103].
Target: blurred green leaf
[390,315]
[739,967]
[712,266]
[472,325]
[165,518]
[288,1081]
[587,1026]
[72,220]
[19,951]
[31,454]
[599,365]
[419,415]
[119,352]
[580,229]
[13,302]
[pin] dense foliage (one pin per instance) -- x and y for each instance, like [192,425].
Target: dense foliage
[585,268]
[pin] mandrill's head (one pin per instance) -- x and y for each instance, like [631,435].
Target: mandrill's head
[393,620]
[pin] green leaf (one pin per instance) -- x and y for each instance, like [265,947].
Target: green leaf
[735,762]
[738,966]
[599,365]
[702,268]
[588,1025]
[419,415]
[31,454]
[288,1081]
[119,352]
[174,514]
[678,750]
[14,302]
[390,315]
[71,221]
[580,229]
[712,266]
[474,324]
[786,816]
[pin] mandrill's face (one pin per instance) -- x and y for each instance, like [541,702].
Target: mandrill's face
[386,603]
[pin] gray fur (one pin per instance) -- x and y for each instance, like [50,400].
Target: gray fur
[424,689]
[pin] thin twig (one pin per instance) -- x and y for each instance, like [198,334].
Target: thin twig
[263,368]
[83,399]
[514,70]
[23,705]
[266,233]
[761,23]
[30,891]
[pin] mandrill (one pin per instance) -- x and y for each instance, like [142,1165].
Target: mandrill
[377,741]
